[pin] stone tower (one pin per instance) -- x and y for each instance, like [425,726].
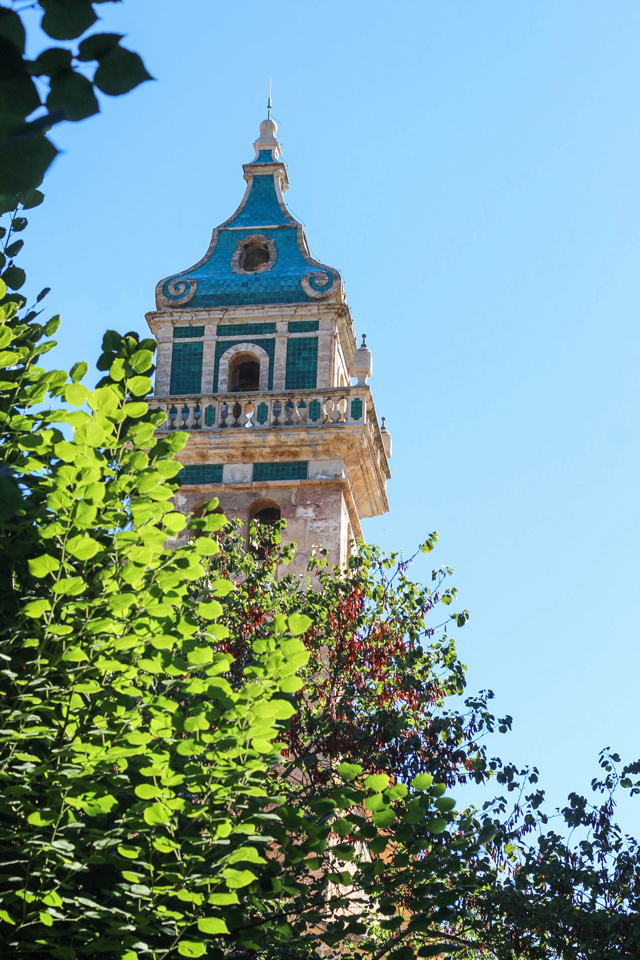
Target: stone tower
[256,353]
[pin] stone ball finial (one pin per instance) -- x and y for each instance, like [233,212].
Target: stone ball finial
[268,131]
[362,366]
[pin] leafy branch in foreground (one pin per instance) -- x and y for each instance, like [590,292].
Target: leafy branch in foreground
[59,84]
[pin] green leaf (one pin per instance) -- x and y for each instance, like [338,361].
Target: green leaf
[76,394]
[298,623]
[488,832]
[437,825]
[141,360]
[97,45]
[36,608]
[12,29]
[377,781]
[191,948]
[82,547]
[14,248]
[383,818]
[24,163]
[78,371]
[14,277]
[5,916]
[236,879]
[54,60]
[131,853]
[43,565]
[146,791]
[210,610]
[212,925]
[52,899]
[422,782]
[38,820]
[65,20]
[139,386]
[291,684]
[73,94]
[221,588]
[156,814]
[70,586]
[223,899]
[246,855]
[378,844]
[30,199]
[205,547]
[200,655]
[120,71]
[349,771]
[136,409]
[46,918]
[75,655]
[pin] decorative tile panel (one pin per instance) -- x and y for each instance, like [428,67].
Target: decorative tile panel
[304,326]
[191,333]
[186,368]
[315,411]
[356,408]
[245,329]
[297,470]
[201,473]
[302,363]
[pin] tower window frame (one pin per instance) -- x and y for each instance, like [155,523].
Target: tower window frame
[242,255]
[242,353]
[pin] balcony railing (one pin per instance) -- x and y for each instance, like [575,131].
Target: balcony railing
[290,408]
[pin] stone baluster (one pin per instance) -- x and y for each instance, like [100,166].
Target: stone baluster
[235,410]
[184,413]
[241,416]
[290,413]
[302,410]
[224,413]
[336,413]
[249,412]
[327,406]
[276,412]
[197,414]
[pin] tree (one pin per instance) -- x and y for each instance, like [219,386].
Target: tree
[377,693]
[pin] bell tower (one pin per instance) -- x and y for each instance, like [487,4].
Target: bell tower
[256,356]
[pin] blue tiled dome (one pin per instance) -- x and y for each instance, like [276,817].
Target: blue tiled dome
[258,256]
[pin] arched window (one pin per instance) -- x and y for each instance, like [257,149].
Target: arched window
[264,514]
[244,373]
[255,256]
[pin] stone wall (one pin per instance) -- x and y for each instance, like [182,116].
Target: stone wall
[316,515]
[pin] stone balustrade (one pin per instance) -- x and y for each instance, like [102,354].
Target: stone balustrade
[290,408]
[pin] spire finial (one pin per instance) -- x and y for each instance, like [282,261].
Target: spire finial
[269,102]
[364,339]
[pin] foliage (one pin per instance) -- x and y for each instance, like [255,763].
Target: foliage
[376,693]
[59,84]
[137,815]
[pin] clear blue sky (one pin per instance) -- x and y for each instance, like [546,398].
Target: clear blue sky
[472,169]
